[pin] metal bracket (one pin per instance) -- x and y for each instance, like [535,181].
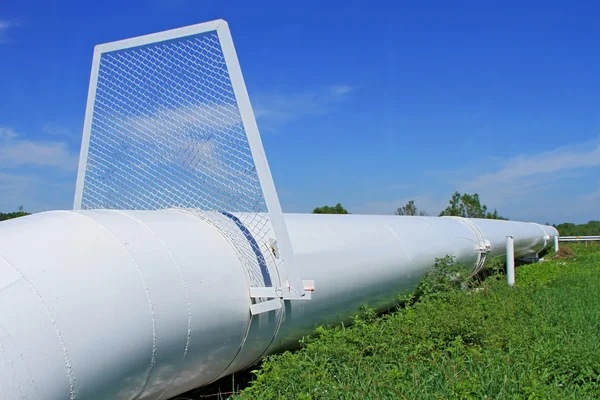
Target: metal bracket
[276,295]
[483,246]
[288,293]
[265,306]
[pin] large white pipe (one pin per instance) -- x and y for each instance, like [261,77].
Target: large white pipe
[149,304]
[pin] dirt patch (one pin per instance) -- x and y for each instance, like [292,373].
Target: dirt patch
[563,253]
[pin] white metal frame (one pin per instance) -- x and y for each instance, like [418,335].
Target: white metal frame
[291,285]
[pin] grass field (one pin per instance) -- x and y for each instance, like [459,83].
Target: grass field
[538,340]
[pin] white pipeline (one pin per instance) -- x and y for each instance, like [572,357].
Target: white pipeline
[150,304]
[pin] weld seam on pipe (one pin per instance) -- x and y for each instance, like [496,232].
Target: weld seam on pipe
[54,323]
[185,290]
[148,296]
[262,262]
[260,258]
[268,282]
[248,322]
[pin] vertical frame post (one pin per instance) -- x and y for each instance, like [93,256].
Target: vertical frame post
[510,260]
[87,130]
[289,272]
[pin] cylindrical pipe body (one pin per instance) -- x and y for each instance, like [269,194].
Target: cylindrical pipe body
[149,304]
[107,304]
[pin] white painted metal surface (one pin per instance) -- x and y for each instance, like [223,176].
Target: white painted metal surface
[148,304]
[510,260]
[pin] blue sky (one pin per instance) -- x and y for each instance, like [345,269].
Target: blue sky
[366,103]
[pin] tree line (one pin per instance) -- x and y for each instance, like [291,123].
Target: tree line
[469,206]
[591,228]
[460,205]
[11,215]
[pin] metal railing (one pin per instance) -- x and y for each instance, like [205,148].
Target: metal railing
[579,238]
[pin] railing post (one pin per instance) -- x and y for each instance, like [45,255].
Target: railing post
[510,260]
[556,243]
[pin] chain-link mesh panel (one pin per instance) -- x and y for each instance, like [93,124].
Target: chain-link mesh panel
[166,132]
[257,257]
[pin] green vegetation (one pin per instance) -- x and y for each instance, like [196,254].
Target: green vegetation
[337,209]
[410,209]
[537,340]
[460,205]
[17,214]
[468,206]
[592,228]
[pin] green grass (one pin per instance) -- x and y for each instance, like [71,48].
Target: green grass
[538,340]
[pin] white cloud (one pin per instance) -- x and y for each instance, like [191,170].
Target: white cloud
[593,196]
[567,158]
[7,134]
[16,151]
[175,132]
[207,118]
[57,130]
[275,109]
[533,187]
[340,90]
[205,156]
[4,28]
[16,190]
[525,176]
[39,175]
[552,208]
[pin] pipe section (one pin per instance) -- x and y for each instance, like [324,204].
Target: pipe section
[149,304]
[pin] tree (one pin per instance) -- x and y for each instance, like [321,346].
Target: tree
[410,209]
[455,208]
[495,215]
[337,209]
[468,206]
[7,216]
[591,228]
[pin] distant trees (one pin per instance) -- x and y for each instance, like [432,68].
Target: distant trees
[591,228]
[410,209]
[337,209]
[20,213]
[468,206]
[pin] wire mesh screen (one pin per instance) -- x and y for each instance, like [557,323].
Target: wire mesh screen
[166,132]
[256,256]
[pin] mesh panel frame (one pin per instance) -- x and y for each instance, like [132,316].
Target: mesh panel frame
[169,125]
